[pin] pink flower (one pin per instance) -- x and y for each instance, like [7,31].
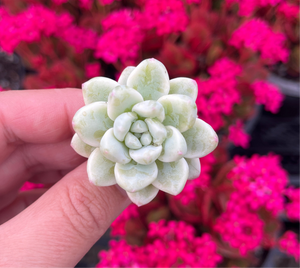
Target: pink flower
[259,182]
[79,38]
[37,21]
[216,98]
[168,244]
[241,229]
[293,206]
[257,35]
[218,95]
[247,7]
[225,67]
[289,11]
[289,244]
[167,16]
[238,136]
[29,186]
[267,94]
[92,69]
[118,42]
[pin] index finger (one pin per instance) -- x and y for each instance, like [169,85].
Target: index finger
[37,116]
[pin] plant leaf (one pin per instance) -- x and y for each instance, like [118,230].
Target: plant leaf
[91,122]
[100,170]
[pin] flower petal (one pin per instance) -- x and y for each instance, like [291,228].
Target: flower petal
[146,138]
[150,109]
[113,149]
[97,89]
[100,170]
[194,168]
[121,100]
[125,74]
[180,110]
[91,122]
[151,79]
[171,177]
[122,124]
[80,147]
[139,126]
[157,130]
[174,146]
[143,196]
[201,139]
[132,142]
[184,86]
[133,177]
[146,155]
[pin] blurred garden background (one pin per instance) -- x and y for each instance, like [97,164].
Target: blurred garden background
[243,210]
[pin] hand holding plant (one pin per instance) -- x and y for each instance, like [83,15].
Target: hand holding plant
[62,223]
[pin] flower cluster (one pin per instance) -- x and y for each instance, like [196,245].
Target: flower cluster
[289,243]
[240,228]
[37,22]
[257,35]
[166,16]
[238,136]
[259,182]
[268,95]
[293,206]
[218,94]
[289,11]
[247,7]
[117,42]
[170,244]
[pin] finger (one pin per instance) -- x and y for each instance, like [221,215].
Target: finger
[22,201]
[30,159]
[49,177]
[62,224]
[36,116]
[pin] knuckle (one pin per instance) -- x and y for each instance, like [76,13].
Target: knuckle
[86,212]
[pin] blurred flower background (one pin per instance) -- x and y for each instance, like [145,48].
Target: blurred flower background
[243,210]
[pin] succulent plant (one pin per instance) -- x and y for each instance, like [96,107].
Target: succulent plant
[142,132]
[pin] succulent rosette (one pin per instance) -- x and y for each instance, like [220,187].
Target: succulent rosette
[142,132]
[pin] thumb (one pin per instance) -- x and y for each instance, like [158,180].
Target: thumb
[62,225]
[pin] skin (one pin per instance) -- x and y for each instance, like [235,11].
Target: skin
[56,226]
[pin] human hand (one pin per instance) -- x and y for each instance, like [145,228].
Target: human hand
[59,225]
